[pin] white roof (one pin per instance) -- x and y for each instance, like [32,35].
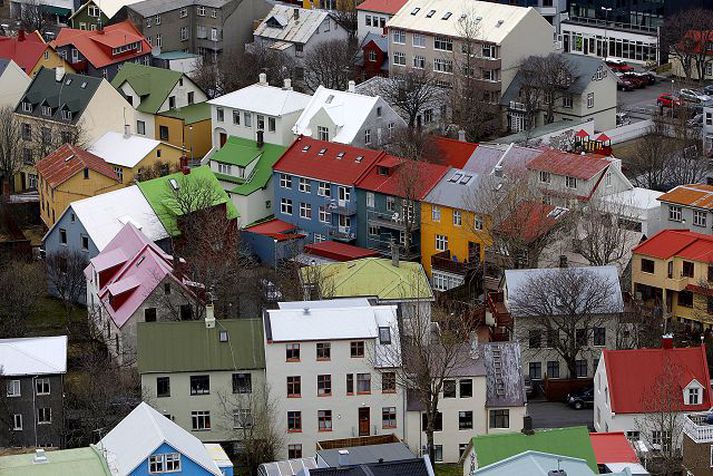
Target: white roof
[104,215]
[111,7]
[125,151]
[264,99]
[349,111]
[280,24]
[496,20]
[218,455]
[635,468]
[637,197]
[329,303]
[141,432]
[33,356]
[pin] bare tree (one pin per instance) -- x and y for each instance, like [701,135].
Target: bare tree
[346,15]
[65,276]
[330,64]
[11,159]
[685,36]
[411,93]
[156,170]
[568,303]
[34,17]
[22,284]
[602,233]
[545,80]
[49,136]
[647,163]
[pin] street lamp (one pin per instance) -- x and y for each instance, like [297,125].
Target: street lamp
[606,40]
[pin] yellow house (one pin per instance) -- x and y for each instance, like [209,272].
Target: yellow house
[188,127]
[673,271]
[344,5]
[68,174]
[31,53]
[453,237]
[135,157]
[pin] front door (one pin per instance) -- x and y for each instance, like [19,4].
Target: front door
[223,138]
[364,421]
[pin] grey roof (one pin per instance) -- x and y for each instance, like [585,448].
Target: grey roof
[152,7]
[280,24]
[505,385]
[537,132]
[3,64]
[409,467]
[487,157]
[368,454]
[382,41]
[451,191]
[536,463]
[289,467]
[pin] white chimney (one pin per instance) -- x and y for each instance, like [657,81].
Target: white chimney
[263,79]
[343,458]
[461,135]
[59,73]
[127,131]
[209,316]
[352,86]
[40,457]
[287,84]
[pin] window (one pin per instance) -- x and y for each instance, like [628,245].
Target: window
[571,182]
[344,194]
[699,218]
[441,65]
[441,242]
[499,418]
[437,421]
[442,43]
[694,396]
[685,298]
[294,451]
[465,420]
[150,314]
[172,102]
[390,204]
[84,242]
[200,384]
[165,463]
[163,132]
[163,387]
[435,213]
[141,128]
[324,215]
[567,102]
[662,439]
[399,37]
[600,336]
[324,420]
[388,382]
[247,119]
[294,421]
[370,199]
[633,435]
[581,368]
[324,350]
[294,386]
[200,10]
[12,388]
[478,222]
[590,100]
[449,389]
[44,416]
[26,131]
[271,124]
[357,349]
[647,266]
[364,383]
[367,136]
[323,133]
[466,388]
[535,370]
[350,384]
[552,337]
[373,230]
[159,41]
[158,19]
[399,58]
[286,206]
[243,418]
[457,219]
[581,337]
[200,420]
[184,33]
[438,453]
[388,417]
[324,385]
[687,270]
[260,122]
[553,369]
[418,40]
[384,335]
[46,111]
[17,422]
[242,383]
[544,177]
[306,211]
[674,213]
[419,62]
[535,338]
[42,386]
[292,352]
[324,190]
[285,181]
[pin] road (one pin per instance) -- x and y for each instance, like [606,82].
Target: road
[643,101]
[557,415]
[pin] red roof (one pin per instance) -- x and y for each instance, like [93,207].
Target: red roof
[681,243]
[582,134]
[25,49]
[633,375]
[96,45]
[406,178]
[277,229]
[68,160]
[454,152]
[603,137]
[562,163]
[338,251]
[382,6]
[327,161]
[531,220]
[612,448]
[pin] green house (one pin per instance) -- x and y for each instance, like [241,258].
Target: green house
[90,16]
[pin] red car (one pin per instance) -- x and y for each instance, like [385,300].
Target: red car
[667,100]
[619,66]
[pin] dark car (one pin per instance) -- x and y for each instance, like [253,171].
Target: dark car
[636,79]
[623,84]
[708,90]
[581,399]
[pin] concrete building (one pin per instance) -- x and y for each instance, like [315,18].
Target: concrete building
[372,16]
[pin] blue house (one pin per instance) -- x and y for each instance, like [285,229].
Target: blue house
[315,188]
[148,443]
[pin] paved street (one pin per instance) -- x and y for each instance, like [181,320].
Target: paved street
[643,100]
[555,415]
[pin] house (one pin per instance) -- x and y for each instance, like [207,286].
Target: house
[294,32]
[688,207]
[33,370]
[101,53]
[244,169]
[182,61]
[188,127]
[538,344]
[208,383]
[485,450]
[614,453]
[94,14]
[692,48]
[155,90]
[315,188]
[641,209]
[591,95]
[60,108]
[68,174]
[272,241]
[133,157]
[427,33]
[350,351]
[30,52]
[132,280]
[202,27]
[482,394]
[537,463]
[374,60]
[88,460]
[630,384]
[348,117]
[670,272]
[146,442]
[372,16]
[57,11]
[13,83]
[331,455]
[389,199]
[453,152]
[258,107]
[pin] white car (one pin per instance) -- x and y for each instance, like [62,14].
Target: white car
[694,96]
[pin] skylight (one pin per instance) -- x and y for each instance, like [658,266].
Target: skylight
[305,148]
[83,85]
[455,177]
[466,179]
[69,158]
[430,14]
[173,183]
[141,260]
[446,16]
[359,159]
[415,11]
[322,151]
[340,155]
[330,98]
[68,82]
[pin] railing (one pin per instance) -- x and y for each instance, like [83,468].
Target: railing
[383,246]
[388,220]
[442,261]
[614,25]
[342,208]
[695,426]
[342,234]
[496,305]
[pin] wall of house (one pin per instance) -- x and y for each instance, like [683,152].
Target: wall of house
[282,135]
[371,68]
[180,95]
[13,84]
[697,456]
[378,124]
[362,27]
[380,211]
[254,207]
[168,155]
[603,112]
[188,466]
[239,22]
[50,59]
[107,111]
[686,222]
[82,21]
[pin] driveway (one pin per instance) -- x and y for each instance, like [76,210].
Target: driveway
[557,415]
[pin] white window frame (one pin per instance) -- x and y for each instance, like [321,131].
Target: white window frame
[305,186]
[306,210]
[700,218]
[398,37]
[323,133]
[324,189]
[370,199]
[441,242]
[324,215]
[457,218]
[43,382]
[570,182]
[545,177]
[285,181]
[13,389]
[675,213]
[435,213]
[418,40]
[590,100]
[399,58]
[46,411]
[286,206]
[17,422]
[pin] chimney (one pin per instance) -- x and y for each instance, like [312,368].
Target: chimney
[287,84]
[262,77]
[352,86]
[667,341]
[209,316]
[59,73]
[394,254]
[127,131]
[461,135]
[296,14]
[40,457]
[21,35]
[186,170]
[343,458]
[260,139]
[563,261]
[557,472]
[527,425]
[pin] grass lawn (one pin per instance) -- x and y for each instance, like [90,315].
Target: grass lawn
[48,319]
[448,470]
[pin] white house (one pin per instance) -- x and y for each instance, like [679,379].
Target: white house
[372,16]
[331,369]
[13,83]
[348,117]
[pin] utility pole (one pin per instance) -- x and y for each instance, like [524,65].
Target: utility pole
[606,30]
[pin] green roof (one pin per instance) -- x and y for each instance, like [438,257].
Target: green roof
[188,346]
[190,114]
[74,462]
[573,442]
[152,84]
[159,194]
[371,277]
[241,152]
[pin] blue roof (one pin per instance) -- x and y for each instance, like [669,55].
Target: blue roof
[172,55]
[536,463]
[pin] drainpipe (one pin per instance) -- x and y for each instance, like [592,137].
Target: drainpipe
[34,406]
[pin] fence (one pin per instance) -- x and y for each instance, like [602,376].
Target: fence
[629,131]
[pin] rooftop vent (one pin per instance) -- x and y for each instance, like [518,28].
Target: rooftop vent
[415,11]
[141,260]
[305,148]
[500,22]
[70,157]
[359,159]
[329,99]
[430,14]
[340,155]
[446,16]
[83,85]
[40,457]
[173,183]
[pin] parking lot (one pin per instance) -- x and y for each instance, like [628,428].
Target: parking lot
[643,100]
[556,415]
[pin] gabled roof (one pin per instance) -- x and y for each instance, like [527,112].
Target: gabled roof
[108,7]
[68,160]
[381,42]
[410,467]
[243,152]
[190,114]
[402,177]
[563,163]
[280,24]
[373,277]
[537,463]
[33,356]
[125,151]
[141,432]
[337,251]
[573,442]
[531,220]
[264,99]
[612,447]
[26,49]
[155,7]
[153,85]
[698,195]
[454,152]
[456,189]
[96,45]
[633,374]
[276,229]
[337,163]
[367,453]
[488,158]
[390,7]
[681,243]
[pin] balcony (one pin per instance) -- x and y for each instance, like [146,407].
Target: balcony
[342,207]
[382,244]
[697,429]
[342,233]
[443,261]
[392,220]
[495,302]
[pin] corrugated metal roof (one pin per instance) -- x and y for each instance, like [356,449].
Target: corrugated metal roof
[281,24]
[694,195]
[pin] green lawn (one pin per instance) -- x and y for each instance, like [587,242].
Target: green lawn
[48,319]
[448,470]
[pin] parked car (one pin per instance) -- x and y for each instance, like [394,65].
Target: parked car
[668,100]
[691,95]
[708,90]
[581,399]
[619,65]
[648,76]
[623,84]
[637,80]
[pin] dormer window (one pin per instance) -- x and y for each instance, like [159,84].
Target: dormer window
[382,170]
[46,110]
[26,106]
[694,396]
[66,115]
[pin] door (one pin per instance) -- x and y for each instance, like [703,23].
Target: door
[223,138]
[364,421]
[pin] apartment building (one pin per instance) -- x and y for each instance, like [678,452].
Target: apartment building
[332,366]
[688,207]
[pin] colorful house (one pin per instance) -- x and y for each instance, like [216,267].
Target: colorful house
[68,174]
[374,60]
[188,127]
[93,14]
[273,240]
[30,52]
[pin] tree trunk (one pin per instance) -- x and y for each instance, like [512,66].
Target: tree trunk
[430,446]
